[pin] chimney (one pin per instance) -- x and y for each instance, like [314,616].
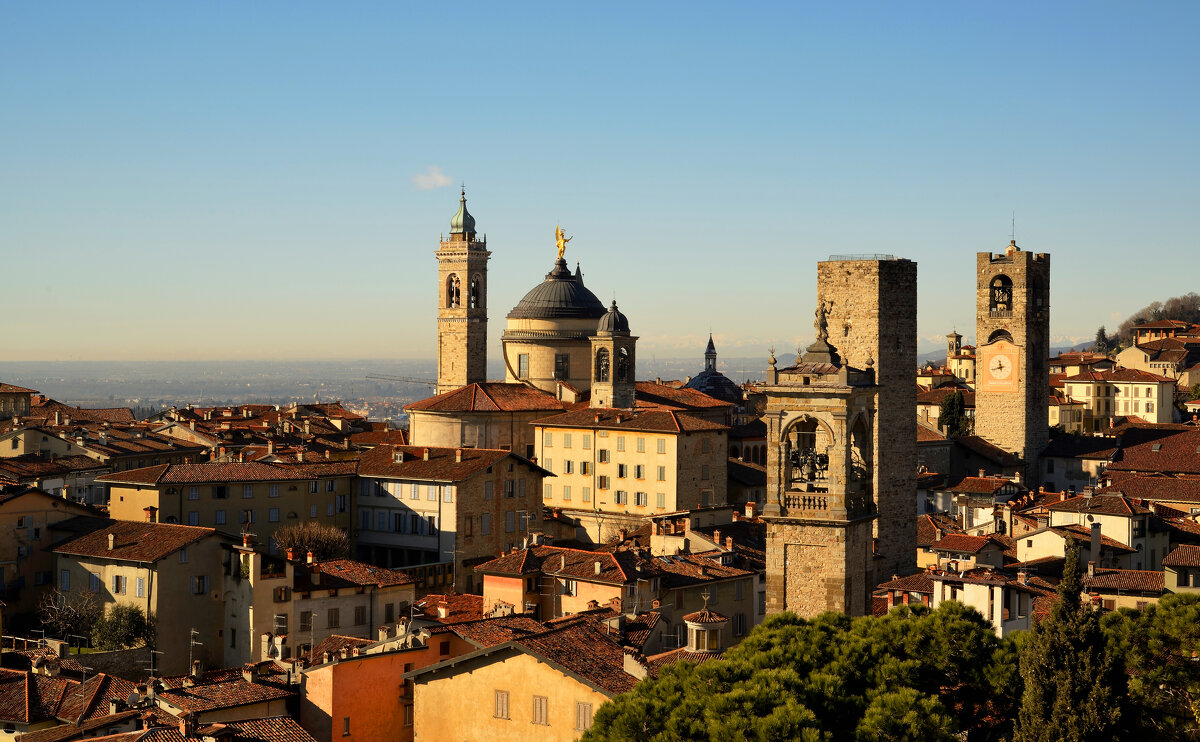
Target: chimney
[112,541]
[563,565]
[114,705]
[458,456]
[425,454]
[248,672]
[327,456]
[195,668]
[749,510]
[1017,477]
[598,567]
[58,419]
[151,513]
[729,542]
[383,633]
[982,473]
[736,515]
[300,454]
[1091,573]
[717,536]
[307,427]
[192,424]
[443,609]
[1023,576]
[1094,545]
[290,554]
[187,725]
[326,658]
[309,558]
[345,652]
[270,447]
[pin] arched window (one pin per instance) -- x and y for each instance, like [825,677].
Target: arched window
[453,290]
[623,364]
[733,452]
[1000,294]
[475,294]
[1000,335]
[602,361]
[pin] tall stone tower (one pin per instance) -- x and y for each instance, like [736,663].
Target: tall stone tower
[1012,330]
[871,306]
[820,463]
[953,346]
[613,361]
[462,304]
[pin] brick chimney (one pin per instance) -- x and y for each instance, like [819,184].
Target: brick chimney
[749,510]
[112,541]
[717,536]
[1091,573]
[425,454]
[458,456]
[151,513]
[443,609]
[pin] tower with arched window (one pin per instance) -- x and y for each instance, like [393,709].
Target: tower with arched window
[462,303]
[613,361]
[1012,328]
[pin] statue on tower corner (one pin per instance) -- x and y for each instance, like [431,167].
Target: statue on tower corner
[821,323]
[561,240]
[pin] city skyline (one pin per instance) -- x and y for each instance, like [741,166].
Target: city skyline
[270,182]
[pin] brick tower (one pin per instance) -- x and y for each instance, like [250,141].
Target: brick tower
[1012,330]
[613,361]
[462,304]
[872,318]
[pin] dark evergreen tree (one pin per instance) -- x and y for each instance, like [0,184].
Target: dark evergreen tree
[1101,340]
[1074,688]
[952,416]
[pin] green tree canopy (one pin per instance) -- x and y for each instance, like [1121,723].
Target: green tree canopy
[123,626]
[913,674]
[952,416]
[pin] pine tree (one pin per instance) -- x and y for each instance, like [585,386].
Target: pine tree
[1074,689]
[1101,340]
[952,416]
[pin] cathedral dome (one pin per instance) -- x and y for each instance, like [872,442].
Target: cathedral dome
[613,321]
[462,222]
[561,296]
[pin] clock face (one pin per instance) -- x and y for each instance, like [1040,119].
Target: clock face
[1001,366]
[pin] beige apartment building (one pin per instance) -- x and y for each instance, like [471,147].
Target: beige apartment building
[28,568]
[631,463]
[235,496]
[1122,392]
[172,572]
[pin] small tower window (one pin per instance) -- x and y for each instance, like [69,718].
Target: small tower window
[562,366]
[623,364]
[475,294]
[602,361]
[453,290]
[1001,294]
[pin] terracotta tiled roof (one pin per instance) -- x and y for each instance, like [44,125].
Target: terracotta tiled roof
[940,394]
[982,485]
[657,421]
[489,396]
[89,699]
[1101,504]
[960,542]
[1083,534]
[231,694]
[1082,447]
[617,567]
[229,471]
[133,541]
[1173,450]
[650,394]
[656,663]
[1124,580]
[927,434]
[14,389]
[930,528]
[585,651]
[704,615]
[918,583]
[28,698]
[442,465]
[488,632]
[337,573]
[85,730]
[333,644]
[1183,556]
[981,447]
[747,473]
[1122,375]
[461,607]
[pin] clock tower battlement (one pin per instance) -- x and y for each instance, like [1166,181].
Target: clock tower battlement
[1012,328]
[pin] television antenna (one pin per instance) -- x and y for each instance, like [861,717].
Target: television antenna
[431,383]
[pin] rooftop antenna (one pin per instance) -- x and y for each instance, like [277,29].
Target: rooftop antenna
[1012,235]
[192,644]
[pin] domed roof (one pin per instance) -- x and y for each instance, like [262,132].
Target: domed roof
[561,296]
[613,321]
[712,382]
[462,222]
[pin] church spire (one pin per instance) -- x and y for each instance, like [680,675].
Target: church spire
[462,223]
[710,355]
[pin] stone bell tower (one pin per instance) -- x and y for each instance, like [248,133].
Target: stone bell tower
[462,304]
[613,361]
[820,416]
[1012,330]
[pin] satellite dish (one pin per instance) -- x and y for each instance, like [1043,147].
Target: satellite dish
[133,699]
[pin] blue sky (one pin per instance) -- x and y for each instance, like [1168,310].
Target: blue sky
[184,181]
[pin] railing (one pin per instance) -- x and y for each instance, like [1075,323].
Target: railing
[1000,313]
[863,256]
[805,502]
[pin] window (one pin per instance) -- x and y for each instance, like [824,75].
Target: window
[510,521]
[447,494]
[620,443]
[487,490]
[583,717]
[522,373]
[662,445]
[364,519]
[313,487]
[501,704]
[64,580]
[431,520]
[183,555]
[540,704]
[509,489]
[739,588]
[431,492]
[662,473]
[585,468]
[547,492]
[587,442]
[468,522]
[641,445]
[408,714]
[193,492]
[602,455]
[329,485]
[342,503]
[639,471]
[562,366]
[661,499]
[444,648]
[485,523]
[704,471]
[306,620]
[622,471]
[141,587]
[568,467]
[94,582]
[333,618]
[193,518]
[587,494]
[312,511]
[566,440]
[199,584]
[219,517]
[248,516]
[739,624]
[118,585]
[621,497]
[548,439]
[548,465]
[640,499]
[247,491]
[273,515]
[274,491]
[345,726]
[220,492]
[570,587]
[566,492]
[360,615]
[602,482]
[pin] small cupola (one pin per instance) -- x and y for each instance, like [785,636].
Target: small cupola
[613,321]
[704,629]
[462,223]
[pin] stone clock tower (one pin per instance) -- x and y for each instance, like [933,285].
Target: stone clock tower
[462,304]
[1012,327]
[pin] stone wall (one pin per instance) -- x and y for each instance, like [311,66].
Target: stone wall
[814,567]
[462,329]
[873,320]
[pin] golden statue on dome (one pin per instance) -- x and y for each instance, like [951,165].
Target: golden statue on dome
[561,240]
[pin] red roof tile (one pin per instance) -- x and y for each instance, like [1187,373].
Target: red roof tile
[1183,556]
[490,396]
[443,464]
[133,541]
[1124,580]
[659,421]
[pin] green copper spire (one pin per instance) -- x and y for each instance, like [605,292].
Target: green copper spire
[463,222]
